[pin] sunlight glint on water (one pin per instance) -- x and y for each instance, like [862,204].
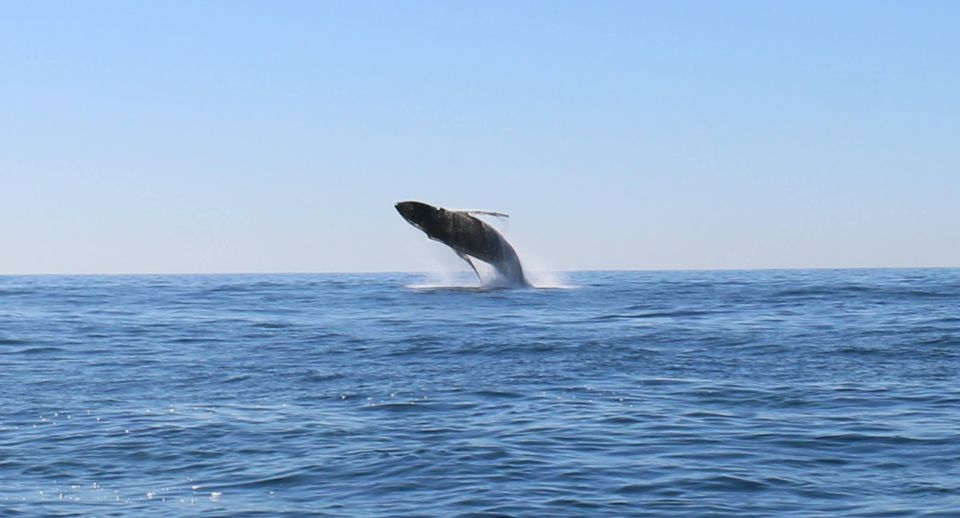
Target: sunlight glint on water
[773,393]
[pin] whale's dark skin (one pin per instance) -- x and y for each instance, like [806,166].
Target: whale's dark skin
[467,236]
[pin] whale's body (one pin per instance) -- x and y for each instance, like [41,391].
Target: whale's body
[468,236]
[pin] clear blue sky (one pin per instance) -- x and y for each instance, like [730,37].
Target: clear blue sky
[229,136]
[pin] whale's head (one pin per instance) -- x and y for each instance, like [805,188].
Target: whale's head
[417,214]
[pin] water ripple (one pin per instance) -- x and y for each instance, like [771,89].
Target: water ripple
[775,393]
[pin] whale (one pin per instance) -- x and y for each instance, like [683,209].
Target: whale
[468,236]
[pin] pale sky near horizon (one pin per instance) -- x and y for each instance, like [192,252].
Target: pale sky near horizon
[230,136]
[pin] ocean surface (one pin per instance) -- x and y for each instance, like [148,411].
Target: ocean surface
[701,393]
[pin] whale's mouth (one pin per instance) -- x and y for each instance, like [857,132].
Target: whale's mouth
[415,212]
[401,210]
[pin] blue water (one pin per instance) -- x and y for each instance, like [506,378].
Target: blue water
[747,393]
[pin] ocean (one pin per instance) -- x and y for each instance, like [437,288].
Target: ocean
[674,393]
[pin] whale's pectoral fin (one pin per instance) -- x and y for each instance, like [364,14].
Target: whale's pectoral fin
[494,213]
[466,258]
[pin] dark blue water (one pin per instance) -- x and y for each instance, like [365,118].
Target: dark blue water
[754,393]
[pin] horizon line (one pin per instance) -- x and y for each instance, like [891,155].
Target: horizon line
[427,272]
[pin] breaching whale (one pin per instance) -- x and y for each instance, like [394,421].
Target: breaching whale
[467,236]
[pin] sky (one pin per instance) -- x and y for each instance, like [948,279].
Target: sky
[275,136]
